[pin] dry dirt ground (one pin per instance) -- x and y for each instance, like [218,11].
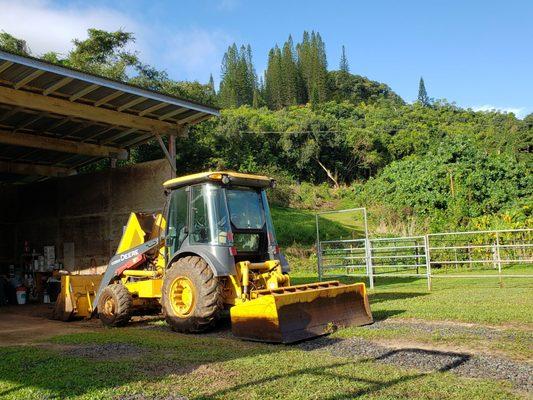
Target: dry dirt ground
[21,325]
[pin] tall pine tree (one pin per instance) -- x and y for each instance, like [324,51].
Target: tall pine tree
[238,77]
[211,85]
[422,94]
[289,74]
[227,90]
[343,64]
[297,75]
[273,80]
[312,64]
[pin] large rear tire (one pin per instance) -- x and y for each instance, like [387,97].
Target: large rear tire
[192,296]
[115,305]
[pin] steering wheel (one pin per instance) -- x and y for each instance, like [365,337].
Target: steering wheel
[200,229]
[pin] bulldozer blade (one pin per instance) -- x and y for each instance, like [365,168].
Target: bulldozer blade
[76,296]
[295,313]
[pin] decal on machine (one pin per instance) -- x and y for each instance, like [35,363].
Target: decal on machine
[125,256]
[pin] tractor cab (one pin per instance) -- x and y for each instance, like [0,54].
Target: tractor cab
[226,213]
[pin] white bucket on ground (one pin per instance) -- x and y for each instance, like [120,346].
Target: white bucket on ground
[21,296]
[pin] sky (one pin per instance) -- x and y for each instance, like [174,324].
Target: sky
[478,54]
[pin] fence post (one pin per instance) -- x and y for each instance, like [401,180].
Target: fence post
[368,259]
[417,257]
[318,250]
[498,259]
[428,261]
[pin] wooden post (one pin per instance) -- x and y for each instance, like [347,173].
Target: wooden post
[172,153]
[171,160]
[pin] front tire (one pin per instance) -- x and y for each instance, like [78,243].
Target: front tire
[192,296]
[115,305]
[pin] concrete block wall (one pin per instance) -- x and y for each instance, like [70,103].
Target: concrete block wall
[89,210]
[8,207]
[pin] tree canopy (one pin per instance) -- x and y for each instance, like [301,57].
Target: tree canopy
[303,123]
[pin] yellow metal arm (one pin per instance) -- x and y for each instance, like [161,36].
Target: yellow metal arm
[140,273]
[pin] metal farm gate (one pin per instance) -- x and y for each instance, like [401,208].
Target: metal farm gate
[475,254]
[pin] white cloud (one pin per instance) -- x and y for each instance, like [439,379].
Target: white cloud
[186,53]
[227,5]
[46,27]
[518,111]
[197,51]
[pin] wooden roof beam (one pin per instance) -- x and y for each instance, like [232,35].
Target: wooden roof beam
[5,65]
[131,103]
[34,169]
[19,98]
[28,79]
[83,92]
[108,98]
[61,145]
[57,85]
[173,113]
[152,109]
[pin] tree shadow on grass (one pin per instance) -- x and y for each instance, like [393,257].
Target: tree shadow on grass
[66,376]
[380,297]
[381,315]
[396,280]
[91,362]
[451,360]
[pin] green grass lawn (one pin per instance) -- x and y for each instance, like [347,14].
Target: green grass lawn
[461,299]
[201,367]
[473,301]
[164,363]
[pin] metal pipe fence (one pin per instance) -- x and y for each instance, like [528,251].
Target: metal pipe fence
[506,253]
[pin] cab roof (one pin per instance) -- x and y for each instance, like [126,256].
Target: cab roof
[236,178]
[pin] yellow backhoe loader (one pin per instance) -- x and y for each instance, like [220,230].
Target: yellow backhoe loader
[213,247]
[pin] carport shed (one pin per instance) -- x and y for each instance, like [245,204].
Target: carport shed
[55,120]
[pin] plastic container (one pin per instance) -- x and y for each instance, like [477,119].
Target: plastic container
[21,295]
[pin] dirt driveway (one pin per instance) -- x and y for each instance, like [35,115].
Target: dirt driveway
[21,325]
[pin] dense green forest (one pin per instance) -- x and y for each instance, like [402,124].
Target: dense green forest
[336,139]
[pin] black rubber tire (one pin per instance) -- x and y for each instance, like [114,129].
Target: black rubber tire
[208,293]
[123,304]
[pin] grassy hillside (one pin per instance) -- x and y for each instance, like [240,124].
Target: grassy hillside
[298,227]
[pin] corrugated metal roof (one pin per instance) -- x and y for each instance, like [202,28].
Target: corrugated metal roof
[59,84]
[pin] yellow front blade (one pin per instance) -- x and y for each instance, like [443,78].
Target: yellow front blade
[300,312]
[76,296]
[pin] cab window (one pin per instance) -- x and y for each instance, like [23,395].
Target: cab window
[177,218]
[209,221]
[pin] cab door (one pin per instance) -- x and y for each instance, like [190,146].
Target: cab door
[177,230]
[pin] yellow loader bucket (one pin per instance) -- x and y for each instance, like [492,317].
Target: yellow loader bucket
[76,297]
[294,313]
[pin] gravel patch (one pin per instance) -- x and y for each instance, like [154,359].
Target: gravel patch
[448,329]
[474,366]
[104,350]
